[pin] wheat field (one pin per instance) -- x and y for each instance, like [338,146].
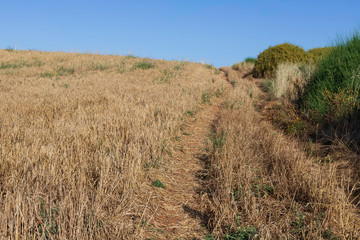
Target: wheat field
[78,135]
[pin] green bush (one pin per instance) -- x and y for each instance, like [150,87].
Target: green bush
[267,61]
[250,60]
[316,54]
[333,89]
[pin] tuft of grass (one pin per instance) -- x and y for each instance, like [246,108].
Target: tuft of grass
[62,71]
[99,67]
[10,49]
[143,65]
[47,75]
[21,64]
[250,60]
[157,183]
[205,98]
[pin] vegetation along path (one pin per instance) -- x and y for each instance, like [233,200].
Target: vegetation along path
[180,205]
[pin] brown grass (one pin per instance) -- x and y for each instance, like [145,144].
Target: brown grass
[290,80]
[78,135]
[261,179]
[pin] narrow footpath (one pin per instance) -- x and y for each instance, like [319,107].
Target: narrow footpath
[180,205]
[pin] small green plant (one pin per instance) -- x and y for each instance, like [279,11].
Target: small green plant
[209,66]
[62,71]
[242,233]
[153,163]
[205,98]
[299,222]
[157,183]
[237,193]
[99,67]
[217,140]
[219,92]
[131,56]
[191,113]
[209,237]
[166,76]
[10,49]
[250,60]
[143,65]
[260,190]
[47,225]
[47,75]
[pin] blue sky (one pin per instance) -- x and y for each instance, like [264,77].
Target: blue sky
[216,32]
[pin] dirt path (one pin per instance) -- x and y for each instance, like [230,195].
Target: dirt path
[179,215]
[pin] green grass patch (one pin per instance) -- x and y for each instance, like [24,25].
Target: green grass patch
[143,65]
[62,71]
[21,64]
[157,183]
[333,89]
[250,60]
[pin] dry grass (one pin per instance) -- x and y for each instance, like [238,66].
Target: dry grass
[245,66]
[264,185]
[290,80]
[78,134]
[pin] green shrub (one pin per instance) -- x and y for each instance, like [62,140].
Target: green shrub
[333,89]
[268,61]
[317,54]
[250,60]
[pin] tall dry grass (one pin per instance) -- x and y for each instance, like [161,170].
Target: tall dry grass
[78,133]
[290,80]
[264,185]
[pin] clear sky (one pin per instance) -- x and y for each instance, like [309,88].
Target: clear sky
[215,32]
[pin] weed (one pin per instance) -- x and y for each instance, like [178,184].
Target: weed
[164,147]
[121,68]
[219,92]
[10,49]
[209,66]
[130,56]
[186,133]
[20,64]
[47,225]
[209,237]
[158,184]
[153,163]
[250,60]
[261,190]
[178,67]
[157,112]
[205,98]
[299,222]
[191,113]
[62,71]
[143,65]
[166,76]
[237,193]
[217,140]
[329,235]
[242,233]
[47,75]
[99,67]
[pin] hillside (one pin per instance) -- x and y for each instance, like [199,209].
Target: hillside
[120,147]
[83,136]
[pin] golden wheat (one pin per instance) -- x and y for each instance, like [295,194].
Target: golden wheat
[264,180]
[77,133]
